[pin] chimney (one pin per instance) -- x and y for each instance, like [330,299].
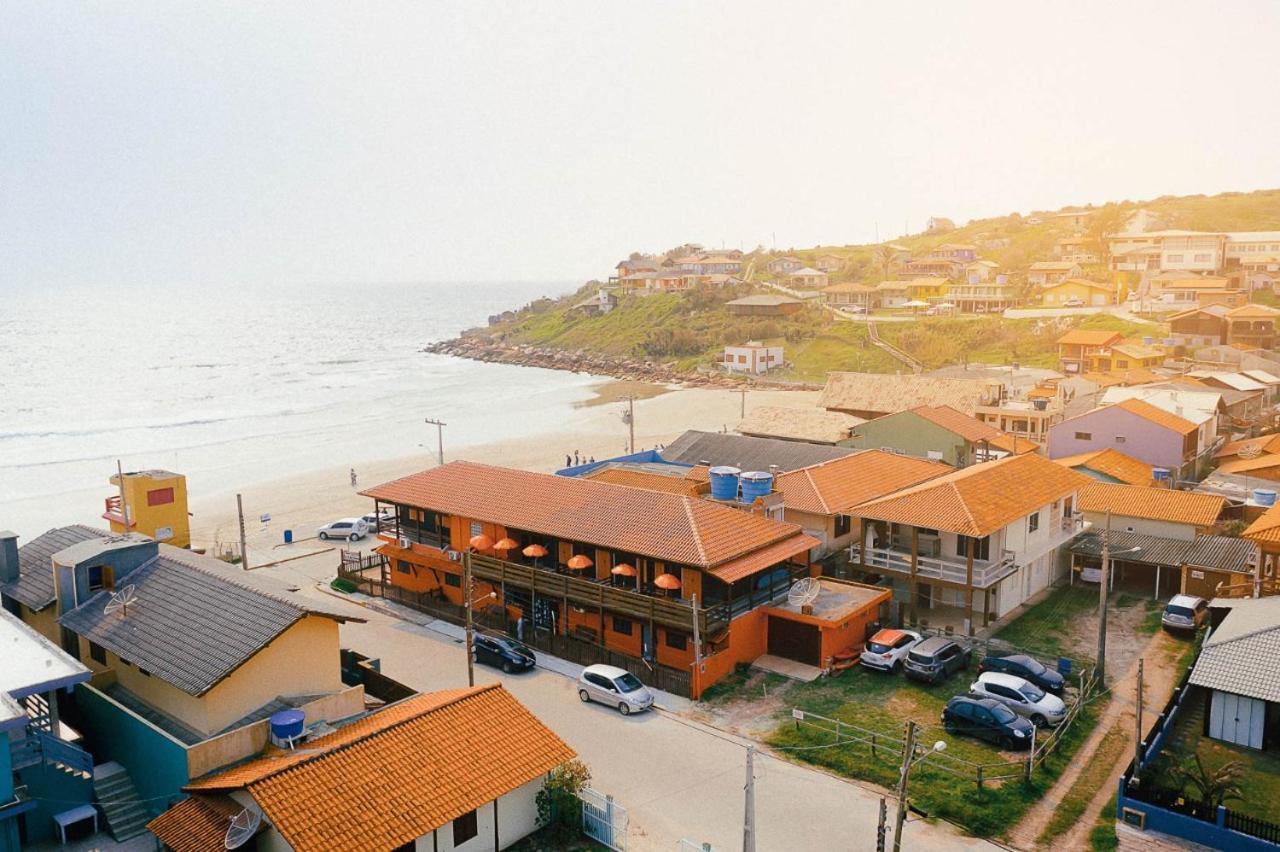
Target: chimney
[8,556]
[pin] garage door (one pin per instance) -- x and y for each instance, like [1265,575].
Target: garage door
[795,641]
[1237,719]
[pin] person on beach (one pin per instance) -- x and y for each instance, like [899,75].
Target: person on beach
[353,477]
[568,460]
[593,460]
[575,458]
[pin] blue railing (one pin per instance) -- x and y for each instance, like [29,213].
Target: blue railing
[24,752]
[65,754]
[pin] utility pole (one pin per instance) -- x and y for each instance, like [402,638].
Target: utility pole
[749,808]
[1137,740]
[630,419]
[439,424]
[908,751]
[1101,668]
[468,591]
[244,552]
[742,412]
[882,825]
[697,638]
[124,503]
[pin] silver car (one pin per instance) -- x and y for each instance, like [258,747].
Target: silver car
[615,687]
[352,529]
[1021,696]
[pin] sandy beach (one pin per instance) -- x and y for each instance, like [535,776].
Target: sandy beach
[303,502]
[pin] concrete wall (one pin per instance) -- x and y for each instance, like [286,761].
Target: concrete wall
[54,791]
[1144,440]
[1122,523]
[44,622]
[911,434]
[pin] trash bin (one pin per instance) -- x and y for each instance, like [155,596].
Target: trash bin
[288,536]
[1064,666]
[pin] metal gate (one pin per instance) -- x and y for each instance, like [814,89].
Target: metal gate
[603,820]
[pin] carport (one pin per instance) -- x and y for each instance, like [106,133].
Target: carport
[1143,564]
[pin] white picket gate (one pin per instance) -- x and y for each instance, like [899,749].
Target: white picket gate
[604,820]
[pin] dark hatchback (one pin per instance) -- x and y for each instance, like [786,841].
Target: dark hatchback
[507,654]
[1027,668]
[987,719]
[934,659]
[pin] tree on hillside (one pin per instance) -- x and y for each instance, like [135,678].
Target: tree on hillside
[882,259]
[1106,220]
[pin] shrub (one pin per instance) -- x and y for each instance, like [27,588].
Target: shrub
[342,584]
[559,808]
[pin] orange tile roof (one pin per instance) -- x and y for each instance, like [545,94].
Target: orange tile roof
[1158,416]
[1089,337]
[1264,444]
[969,428]
[423,762]
[1112,463]
[1262,462]
[1155,504]
[979,499]
[835,486]
[668,527]
[699,473]
[1266,529]
[1009,443]
[196,824]
[1252,311]
[643,479]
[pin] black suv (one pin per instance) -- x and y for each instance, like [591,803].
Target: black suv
[1027,668]
[987,719]
[508,654]
[934,659]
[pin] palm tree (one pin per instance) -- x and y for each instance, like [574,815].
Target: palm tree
[1212,787]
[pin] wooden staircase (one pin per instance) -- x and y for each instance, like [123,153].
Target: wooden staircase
[117,798]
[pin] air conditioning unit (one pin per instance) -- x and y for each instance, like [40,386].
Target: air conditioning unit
[405,544]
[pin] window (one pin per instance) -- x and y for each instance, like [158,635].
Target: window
[981,547]
[1084,436]
[97,653]
[1202,258]
[403,567]
[99,577]
[1033,522]
[679,641]
[476,529]
[160,497]
[1119,439]
[465,828]
[622,626]
[843,525]
[453,580]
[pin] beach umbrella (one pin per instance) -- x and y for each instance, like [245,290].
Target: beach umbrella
[667,581]
[622,569]
[481,542]
[535,551]
[579,562]
[505,544]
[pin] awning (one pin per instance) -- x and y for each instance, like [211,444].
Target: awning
[1155,549]
[745,566]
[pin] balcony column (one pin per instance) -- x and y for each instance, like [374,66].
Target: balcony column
[968,591]
[915,559]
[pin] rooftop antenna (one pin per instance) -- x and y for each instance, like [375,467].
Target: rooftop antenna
[120,601]
[243,827]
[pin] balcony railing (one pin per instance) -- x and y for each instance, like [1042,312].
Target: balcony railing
[24,752]
[40,747]
[897,560]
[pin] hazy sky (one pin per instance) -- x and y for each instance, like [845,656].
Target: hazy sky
[254,143]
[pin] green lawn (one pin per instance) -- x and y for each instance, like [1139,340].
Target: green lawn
[1086,785]
[1046,628]
[1103,836]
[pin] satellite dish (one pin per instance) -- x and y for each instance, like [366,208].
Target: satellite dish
[244,826]
[121,601]
[804,591]
[1251,451]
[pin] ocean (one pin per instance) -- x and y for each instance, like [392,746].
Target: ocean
[237,387]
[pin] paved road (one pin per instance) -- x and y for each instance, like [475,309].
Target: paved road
[678,779]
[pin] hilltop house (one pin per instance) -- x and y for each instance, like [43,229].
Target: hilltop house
[893,294]
[751,357]
[1181,289]
[805,278]
[1125,355]
[1077,249]
[871,395]
[828,263]
[1049,272]
[1078,292]
[1076,347]
[458,769]
[764,306]
[851,294]
[991,530]
[936,432]
[1199,326]
[1136,428]
[784,265]
[598,305]
[686,585]
[928,288]
[1252,326]
[981,296]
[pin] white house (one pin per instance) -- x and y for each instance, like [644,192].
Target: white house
[458,769]
[1237,667]
[751,357]
[807,278]
[984,538]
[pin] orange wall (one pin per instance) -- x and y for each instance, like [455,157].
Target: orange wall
[748,639]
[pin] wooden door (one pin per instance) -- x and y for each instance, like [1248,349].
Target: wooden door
[795,641]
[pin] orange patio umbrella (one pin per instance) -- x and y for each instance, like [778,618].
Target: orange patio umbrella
[535,551]
[481,542]
[505,544]
[622,569]
[579,562]
[667,581]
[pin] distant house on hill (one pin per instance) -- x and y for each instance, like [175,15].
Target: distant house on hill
[1078,292]
[764,306]
[1053,272]
[806,278]
[601,303]
[939,225]
[893,294]
[851,294]
[751,357]
[828,263]
[871,395]
[1077,219]
[784,265]
[1199,326]
[1076,347]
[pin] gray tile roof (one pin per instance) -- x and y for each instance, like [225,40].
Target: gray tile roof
[1240,655]
[749,453]
[1206,551]
[196,619]
[34,586]
[1221,552]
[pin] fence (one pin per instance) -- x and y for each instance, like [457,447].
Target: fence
[367,574]
[982,646]
[603,820]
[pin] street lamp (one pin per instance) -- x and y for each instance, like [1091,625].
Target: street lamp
[909,759]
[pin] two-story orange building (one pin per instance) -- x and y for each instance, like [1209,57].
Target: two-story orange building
[690,584]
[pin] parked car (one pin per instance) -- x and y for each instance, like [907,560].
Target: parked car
[888,648]
[1027,668]
[374,519]
[989,720]
[1184,613]
[352,529]
[1073,302]
[505,653]
[1021,696]
[935,658]
[615,687]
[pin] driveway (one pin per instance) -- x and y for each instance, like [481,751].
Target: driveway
[676,778]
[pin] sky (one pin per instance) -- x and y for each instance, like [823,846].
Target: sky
[225,144]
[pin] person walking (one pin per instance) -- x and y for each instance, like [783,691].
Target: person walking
[575,458]
[353,477]
[568,460]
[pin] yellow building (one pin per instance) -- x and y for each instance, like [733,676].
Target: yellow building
[156,501]
[1125,355]
[1077,292]
[928,289]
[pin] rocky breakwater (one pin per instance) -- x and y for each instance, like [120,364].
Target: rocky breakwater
[582,361]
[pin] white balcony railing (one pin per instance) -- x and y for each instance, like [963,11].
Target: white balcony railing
[985,572]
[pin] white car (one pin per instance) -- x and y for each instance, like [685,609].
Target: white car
[1021,696]
[615,687]
[374,520]
[1073,302]
[352,529]
[888,648]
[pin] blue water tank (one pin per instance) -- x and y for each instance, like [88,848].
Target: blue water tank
[288,536]
[287,724]
[1159,473]
[1264,496]
[724,482]
[756,483]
